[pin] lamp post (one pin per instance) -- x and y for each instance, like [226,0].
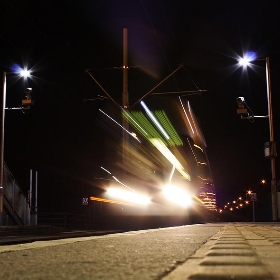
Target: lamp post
[2,148]
[23,73]
[272,144]
[271,153]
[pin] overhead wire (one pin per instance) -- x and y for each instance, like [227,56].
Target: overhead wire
[162,49]
[158,41]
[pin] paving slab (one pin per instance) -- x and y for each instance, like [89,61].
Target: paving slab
[241,252]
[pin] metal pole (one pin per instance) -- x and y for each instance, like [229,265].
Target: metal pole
[36,197]
[30,190]
[125,95]
[2,148]
[125,69]
[271,133]
[36,191]
[253,211]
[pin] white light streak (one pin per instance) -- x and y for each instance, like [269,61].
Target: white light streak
[184,110]
[121,183]
[105,170]
[128,116]
[153,118]
[131,134]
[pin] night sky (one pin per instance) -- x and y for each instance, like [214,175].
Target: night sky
[59,40]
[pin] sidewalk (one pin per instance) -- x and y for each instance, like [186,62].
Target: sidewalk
[10,235]
[238,251]
[214,251]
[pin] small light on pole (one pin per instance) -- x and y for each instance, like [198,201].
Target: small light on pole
[263,181]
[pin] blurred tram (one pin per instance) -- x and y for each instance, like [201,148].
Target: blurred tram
[155,167]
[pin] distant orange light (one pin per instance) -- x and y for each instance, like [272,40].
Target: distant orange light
[109,201]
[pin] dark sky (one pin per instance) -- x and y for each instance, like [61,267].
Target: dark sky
[58,40]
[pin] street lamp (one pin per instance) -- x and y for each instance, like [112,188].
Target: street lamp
[270,148]
[23,73]
[253,198]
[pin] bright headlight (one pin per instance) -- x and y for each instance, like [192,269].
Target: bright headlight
[177,195]
[130,196]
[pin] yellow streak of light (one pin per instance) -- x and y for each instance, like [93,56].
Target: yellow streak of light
[197,199]
[109,201]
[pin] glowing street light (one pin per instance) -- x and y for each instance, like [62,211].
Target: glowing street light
[253,198]
[23,73]
[270,148]
[246,60]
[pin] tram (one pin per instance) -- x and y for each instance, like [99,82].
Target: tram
[155,167]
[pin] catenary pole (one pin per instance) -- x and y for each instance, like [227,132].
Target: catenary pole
[272,144]
[2,149]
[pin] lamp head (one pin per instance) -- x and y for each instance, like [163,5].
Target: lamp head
[25,73]
[241,106]
[247,59]
[240,99]
[240,102]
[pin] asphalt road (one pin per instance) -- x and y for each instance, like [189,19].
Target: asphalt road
[146,254]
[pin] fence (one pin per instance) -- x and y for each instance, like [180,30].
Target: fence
[65,220]
[17,210]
